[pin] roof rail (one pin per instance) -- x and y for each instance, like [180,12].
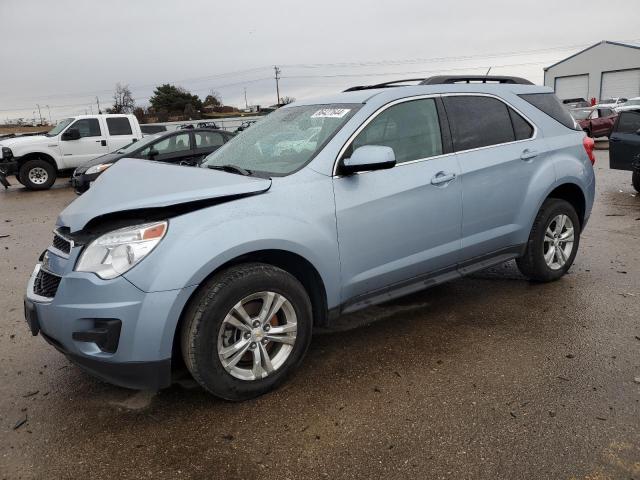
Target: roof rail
[392,83]
[446,79]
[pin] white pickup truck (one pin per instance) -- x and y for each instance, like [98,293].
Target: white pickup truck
[37,160]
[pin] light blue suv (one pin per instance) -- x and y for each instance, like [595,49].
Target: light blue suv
[323,207]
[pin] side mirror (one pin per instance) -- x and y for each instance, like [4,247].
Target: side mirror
[71,134]
[368,157]
[153,153]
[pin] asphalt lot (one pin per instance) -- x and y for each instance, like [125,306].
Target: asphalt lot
[486,377]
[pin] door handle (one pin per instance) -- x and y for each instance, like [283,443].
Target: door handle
[528,154]
[102,142]
[443,178]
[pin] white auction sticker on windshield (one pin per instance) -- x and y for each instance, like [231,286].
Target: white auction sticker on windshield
[331,113]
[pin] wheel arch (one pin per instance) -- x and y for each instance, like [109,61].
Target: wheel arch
[573,194]
[37,155]
[298,266]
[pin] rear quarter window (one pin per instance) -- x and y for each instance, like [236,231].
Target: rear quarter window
[548,103]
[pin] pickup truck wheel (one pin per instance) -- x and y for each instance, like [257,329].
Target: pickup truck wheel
[635,180]
[37,174]
[553,242]
[246,330]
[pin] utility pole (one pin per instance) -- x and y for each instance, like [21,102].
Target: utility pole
[39,114]
[98,102]
[246,104]
[277,70]
[50,121]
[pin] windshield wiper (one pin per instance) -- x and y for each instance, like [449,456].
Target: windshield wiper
[231,169]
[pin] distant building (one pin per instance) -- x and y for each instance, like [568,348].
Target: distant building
[604,70]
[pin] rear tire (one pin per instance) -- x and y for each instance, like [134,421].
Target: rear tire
[553,242]
[238,341]
[635,180]
[37,174]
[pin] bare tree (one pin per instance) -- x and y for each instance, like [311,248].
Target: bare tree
[122,100]
[214,99]
[286,100]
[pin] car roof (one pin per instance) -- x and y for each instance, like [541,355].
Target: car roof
[394,93]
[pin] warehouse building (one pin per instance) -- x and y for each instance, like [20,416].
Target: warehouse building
[604,70]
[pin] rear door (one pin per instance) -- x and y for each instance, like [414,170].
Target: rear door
[397,225]
[91,144]
[120,132]
[499,155]
[624,144]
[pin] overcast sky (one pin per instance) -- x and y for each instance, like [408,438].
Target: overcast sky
[63,53]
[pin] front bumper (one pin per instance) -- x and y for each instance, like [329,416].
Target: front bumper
[141,358]
[7,168]
[81,181]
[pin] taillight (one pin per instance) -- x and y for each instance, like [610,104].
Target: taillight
[589,145]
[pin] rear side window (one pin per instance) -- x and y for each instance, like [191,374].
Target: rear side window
[88,127]
[549,104]
[119,126]
[521,128]
[411,128]
[478,121]
[629,122]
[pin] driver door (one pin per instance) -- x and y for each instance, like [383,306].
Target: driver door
[398,226]
[91,144]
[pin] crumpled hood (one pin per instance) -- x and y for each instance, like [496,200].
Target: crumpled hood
[132,184]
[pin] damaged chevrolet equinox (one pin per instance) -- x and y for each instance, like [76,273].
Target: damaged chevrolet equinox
[321,208]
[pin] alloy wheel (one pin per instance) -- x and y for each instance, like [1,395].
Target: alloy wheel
[558,241]
[257,336]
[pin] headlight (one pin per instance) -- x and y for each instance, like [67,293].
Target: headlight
[6,152]
[116,252]
[98,168]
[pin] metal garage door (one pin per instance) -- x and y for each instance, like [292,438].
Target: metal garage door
[575,86]
[620,84]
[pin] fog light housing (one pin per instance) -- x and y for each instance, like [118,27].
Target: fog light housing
[105,334]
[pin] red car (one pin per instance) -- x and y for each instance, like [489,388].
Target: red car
[597,122]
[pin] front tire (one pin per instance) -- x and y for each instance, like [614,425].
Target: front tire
[635,180]
[37,174]
[553,242]
[246,330]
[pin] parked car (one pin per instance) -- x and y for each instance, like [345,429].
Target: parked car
[207,124]
[184,148]
[571,103]
[624,145]
[229,266]
[37,160]
[611,102]
[631,104]
[245,125]
[596,122]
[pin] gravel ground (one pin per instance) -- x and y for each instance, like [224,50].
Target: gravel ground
[485,377]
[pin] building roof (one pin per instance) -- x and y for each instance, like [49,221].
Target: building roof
[619,44]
